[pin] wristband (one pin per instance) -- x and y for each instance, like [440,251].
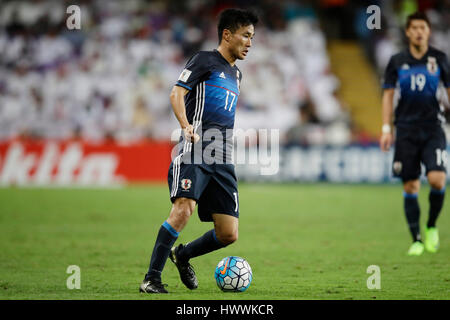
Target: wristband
[386,128]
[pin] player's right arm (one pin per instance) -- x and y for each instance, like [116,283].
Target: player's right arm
[193,73]
[387,107]
[179,109]
[386,116]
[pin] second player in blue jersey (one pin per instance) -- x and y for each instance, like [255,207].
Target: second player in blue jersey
[417,76]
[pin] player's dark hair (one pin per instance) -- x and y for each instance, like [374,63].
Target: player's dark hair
[233,19]
[417,16]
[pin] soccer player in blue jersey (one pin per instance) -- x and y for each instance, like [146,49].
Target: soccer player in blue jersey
[417,74]
[204,100]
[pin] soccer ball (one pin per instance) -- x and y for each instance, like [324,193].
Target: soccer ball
[233,274]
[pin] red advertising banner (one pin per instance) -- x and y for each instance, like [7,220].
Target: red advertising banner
[82,163]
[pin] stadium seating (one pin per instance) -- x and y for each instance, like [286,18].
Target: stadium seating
[111,79]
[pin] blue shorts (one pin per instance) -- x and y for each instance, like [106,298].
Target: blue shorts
[213,187]
[419,145]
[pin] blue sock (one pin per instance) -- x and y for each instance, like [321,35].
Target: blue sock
[205,244]
[412,212]
[167,236]
[436,198]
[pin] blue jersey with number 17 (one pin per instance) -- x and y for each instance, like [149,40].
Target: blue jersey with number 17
[213,86]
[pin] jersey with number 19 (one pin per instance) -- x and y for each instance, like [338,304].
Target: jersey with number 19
[418,82]
[418,113]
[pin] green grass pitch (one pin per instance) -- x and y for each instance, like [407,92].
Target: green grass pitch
[309,241]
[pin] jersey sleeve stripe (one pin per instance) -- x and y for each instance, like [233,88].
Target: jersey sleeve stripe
[183,85]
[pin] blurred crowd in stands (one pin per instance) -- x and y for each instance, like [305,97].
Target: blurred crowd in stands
[112,78]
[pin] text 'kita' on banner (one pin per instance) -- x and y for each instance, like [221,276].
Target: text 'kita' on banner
[67,163]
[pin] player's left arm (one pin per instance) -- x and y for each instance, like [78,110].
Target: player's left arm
[445,73]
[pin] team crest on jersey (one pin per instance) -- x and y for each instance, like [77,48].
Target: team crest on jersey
[432,65]
[397,166]
[405,66]
[186,184]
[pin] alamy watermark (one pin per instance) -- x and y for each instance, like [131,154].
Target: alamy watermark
[231,146]
[374,20]
[374,281]
[74,20]
[74,280]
